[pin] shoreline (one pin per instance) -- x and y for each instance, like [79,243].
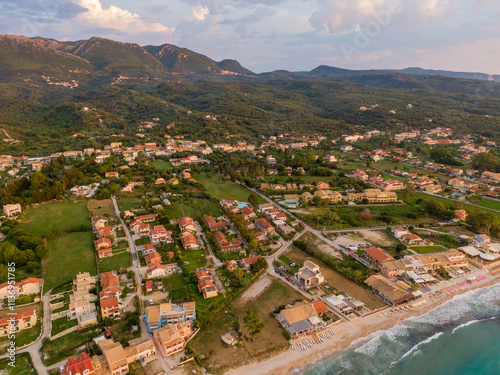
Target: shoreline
[346,335]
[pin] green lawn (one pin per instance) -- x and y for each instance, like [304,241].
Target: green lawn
[22,365]
[62,324]
[224,189]
[176,281]
[488,203]
[196,259]
[161,165]
[65,346]
[57,215]
[428,249]
[129,203]
[193,207]
[114,262]
[447,201]
[69,254]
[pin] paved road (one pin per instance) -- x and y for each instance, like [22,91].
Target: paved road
[34,349]
[136,264]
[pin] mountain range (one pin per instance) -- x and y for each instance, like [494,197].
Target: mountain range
[44,84]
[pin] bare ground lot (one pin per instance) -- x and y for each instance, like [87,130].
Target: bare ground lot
[336,280]
[320,245]
[380,238]
[220,356]
[254,291]
[101,207]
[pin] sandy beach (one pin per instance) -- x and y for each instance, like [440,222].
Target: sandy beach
[346,334]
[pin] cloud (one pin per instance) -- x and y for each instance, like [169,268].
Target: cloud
[200,12]
[337,16]
[116,18]
[45,11]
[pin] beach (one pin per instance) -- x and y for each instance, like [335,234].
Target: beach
[348,334]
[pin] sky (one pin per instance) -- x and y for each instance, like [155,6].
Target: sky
[295,35]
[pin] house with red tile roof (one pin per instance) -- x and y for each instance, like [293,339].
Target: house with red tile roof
[376,255]
[81,365]
[214,225]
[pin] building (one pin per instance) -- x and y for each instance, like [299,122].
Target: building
[377,256]
[102,243]
[456,183]
[189,241]
[300,319]
[264,226]
[229,338]
[110,308]
[26,287]
[160,234]
[167,313]
[119,358]
[12,209]
[83,282]
[149,218]
[374,196]
[110,285]
[329,195]
[81,365]
[17,322]
[389,291]
[186,224]
[172,338]
[225,245]
[214,225]
[412,239]
[461,215]
[343,304]
[309,275]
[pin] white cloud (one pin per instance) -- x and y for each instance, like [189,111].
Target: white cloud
[200,12]
[338,16]
[116,18]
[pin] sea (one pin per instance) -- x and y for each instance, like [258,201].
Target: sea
[460,337]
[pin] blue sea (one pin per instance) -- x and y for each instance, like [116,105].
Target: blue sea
[460,337]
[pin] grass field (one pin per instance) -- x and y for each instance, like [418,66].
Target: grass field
[69,254]
[194,207]
[175,281]
[224,189]
[447,202]
[129,203]
[23,337]
[196,259]
[428,249]
[101,207]
[488,203]
[65,346]
[114,262]
[56,215]
[161,165]
[22,365]
[62,324]
[220,356]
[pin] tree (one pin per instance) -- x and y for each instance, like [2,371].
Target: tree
[485,161]
[253,322]
[366,215]
[253,199]
[238,273]
[259,265]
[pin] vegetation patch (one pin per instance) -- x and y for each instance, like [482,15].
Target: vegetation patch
[68,255]
[115,262]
